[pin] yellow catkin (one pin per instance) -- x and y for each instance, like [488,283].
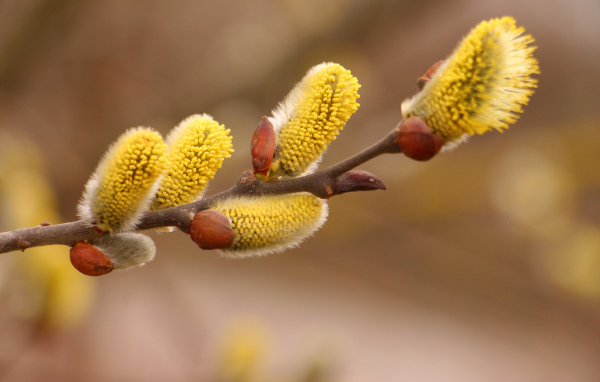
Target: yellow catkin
[197,148]
[311,117]
[127,177]
[482,85]
[49,292]
[269,224]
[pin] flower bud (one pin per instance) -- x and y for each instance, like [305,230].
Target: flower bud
[211,229]
[356,180]
[89,260]
[416,140]
[262,146]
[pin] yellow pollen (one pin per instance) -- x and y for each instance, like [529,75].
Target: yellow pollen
[482,85]
[269,224]
[121,187]
[311,117]
[197,148]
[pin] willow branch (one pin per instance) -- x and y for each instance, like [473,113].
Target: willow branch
[319,184]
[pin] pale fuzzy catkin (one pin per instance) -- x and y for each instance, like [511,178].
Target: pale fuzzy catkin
[126,250]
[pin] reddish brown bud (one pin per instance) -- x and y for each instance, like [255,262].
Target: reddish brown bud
[416,140]
[262,146]
[89,260]
[23,245]
[424,79]
[210,229]
[356,180]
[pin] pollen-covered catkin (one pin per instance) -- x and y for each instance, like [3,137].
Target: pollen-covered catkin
[311,117]
[124,182]
[197,148]
[481,86]
[268,224]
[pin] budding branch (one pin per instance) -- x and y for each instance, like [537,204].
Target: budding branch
[321,184]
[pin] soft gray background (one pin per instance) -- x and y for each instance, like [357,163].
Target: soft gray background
[472,267]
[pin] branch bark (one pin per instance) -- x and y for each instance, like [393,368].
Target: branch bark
[319,184]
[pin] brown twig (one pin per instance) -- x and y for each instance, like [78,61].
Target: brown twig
[319,184]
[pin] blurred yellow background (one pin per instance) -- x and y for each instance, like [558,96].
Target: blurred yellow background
[481,265]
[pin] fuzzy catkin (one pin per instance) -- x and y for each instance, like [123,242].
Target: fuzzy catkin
[269,224]
[482,85]
[311,117]
[121,187]
[197,148]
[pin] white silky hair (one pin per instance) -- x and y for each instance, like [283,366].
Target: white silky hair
[452,145]
[179,130]
[288,108]
[127,250]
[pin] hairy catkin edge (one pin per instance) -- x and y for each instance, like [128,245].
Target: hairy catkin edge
[271,224]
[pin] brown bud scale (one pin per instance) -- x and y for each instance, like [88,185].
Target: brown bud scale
[89,260]
[424,79]
[262,146]
[416,140]
[211,229]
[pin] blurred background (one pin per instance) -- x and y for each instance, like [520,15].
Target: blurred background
[481,265]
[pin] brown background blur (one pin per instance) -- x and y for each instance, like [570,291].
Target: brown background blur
[481,265]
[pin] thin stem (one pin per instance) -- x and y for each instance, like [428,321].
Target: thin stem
[319,184]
